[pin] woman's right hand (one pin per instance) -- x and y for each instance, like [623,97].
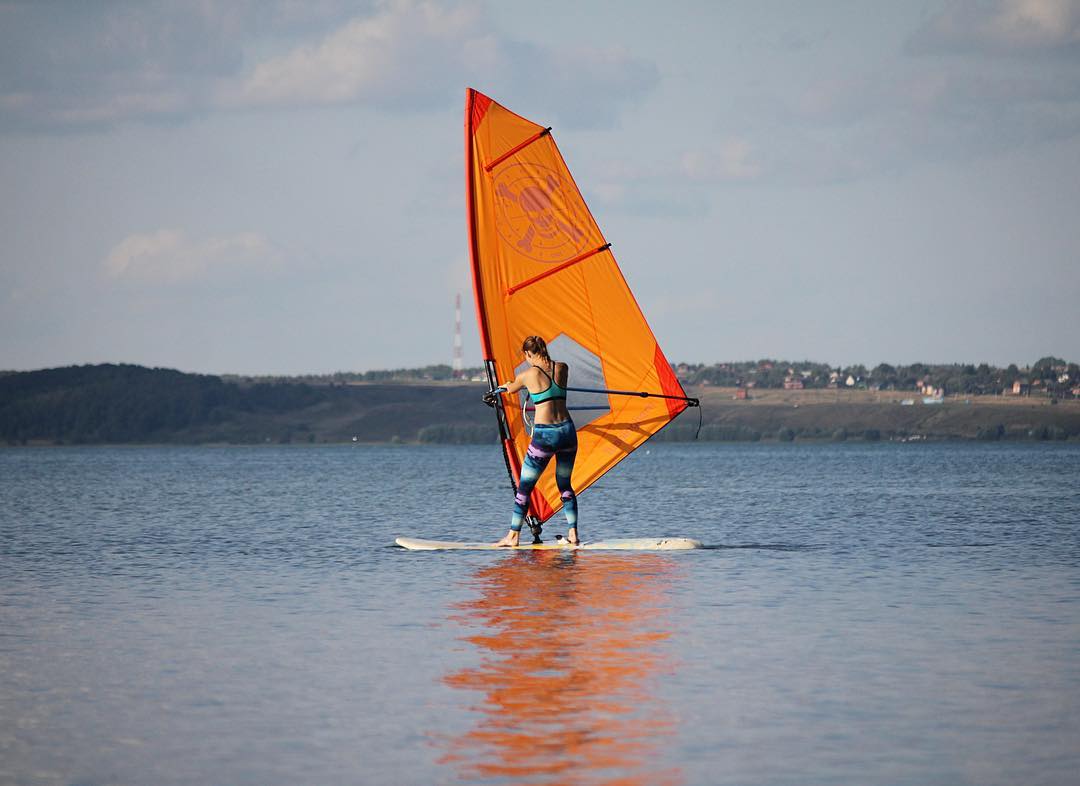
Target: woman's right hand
[492,396]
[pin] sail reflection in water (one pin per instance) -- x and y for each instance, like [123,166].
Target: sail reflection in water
[572,646]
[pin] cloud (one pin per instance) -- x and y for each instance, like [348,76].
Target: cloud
[651,189]
[93,64]
[401,56]
[1002,27]
[1011,82]
[921,110]
[411,55]
[169,256]
[674,185]
[98,65]
[583,87]
[732,160]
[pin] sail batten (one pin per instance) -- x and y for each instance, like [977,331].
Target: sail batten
[541,266]
[488,167]
[554,270]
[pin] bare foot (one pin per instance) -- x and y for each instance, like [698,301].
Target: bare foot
[510,539]
[571,535]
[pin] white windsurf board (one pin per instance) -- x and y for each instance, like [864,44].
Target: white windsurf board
[618,544]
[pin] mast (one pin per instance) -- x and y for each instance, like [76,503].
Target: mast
[473,109]
[458,364]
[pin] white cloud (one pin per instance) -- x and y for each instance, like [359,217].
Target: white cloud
[169,256]
[1005,74]
[419,55]
[1001,27]
[98,65]
[397,56]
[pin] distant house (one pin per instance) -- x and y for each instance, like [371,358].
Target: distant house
[1021,387]
[850,381]
[792,383]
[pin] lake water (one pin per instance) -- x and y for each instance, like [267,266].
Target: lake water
[870,614]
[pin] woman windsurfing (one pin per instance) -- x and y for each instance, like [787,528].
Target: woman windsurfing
[553,435]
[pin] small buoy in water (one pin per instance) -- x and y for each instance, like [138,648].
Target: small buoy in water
[355,439]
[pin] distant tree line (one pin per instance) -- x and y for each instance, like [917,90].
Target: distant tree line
[109,403]
[128,403]
[437,373]
[132,404]
[1051,375]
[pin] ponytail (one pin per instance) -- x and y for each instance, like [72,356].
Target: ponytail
[537,346]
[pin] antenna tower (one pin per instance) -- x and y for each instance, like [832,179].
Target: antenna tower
[458,365]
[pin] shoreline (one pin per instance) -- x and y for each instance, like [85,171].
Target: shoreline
[764,441]
[141,412]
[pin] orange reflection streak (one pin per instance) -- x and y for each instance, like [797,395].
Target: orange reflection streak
[571,646]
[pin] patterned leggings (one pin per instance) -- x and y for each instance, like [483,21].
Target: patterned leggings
[549,439]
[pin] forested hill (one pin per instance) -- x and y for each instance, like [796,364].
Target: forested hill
[133,404]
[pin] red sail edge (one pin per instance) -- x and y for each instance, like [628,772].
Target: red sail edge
[476,106]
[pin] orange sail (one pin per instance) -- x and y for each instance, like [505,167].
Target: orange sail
[542,267]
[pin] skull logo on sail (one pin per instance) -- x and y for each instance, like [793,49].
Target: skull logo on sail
[537,215]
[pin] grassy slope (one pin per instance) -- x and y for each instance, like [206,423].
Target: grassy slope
[856,411]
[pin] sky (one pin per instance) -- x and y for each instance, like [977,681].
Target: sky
[277,186]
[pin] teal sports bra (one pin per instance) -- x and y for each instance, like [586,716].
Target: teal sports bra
[553,391]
